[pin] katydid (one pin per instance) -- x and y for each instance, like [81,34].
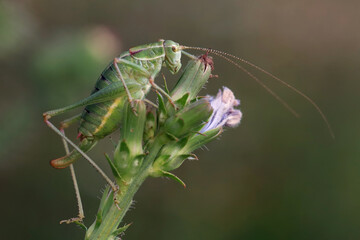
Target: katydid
[130,77]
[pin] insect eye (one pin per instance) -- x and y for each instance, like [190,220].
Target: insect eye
[173,48]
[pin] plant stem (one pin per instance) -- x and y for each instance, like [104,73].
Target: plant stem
[127,191]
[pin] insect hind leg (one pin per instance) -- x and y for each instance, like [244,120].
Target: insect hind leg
[81,216]
[113,186]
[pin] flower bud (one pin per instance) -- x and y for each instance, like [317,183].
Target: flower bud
[172,155]
[175,152]
[195,75]
[190,119]
[150,124]
[129,152]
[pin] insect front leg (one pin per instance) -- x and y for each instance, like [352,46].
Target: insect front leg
[160,90]
[116,61]
[143,71]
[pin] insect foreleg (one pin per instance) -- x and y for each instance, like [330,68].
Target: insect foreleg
[160,90]
[116,61]
[151,103]
[141,69]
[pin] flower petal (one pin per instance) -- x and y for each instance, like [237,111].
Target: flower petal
[224,112]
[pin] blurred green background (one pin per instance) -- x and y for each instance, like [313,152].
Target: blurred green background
[273,177]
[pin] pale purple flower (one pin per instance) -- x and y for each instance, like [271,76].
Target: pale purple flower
[224,113]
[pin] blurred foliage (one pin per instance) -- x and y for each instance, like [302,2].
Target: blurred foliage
[16,24]
[274,177]
[69,62]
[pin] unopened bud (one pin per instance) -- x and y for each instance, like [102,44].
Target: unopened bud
[190,119]
[150,124]
[129,152]
[195,75]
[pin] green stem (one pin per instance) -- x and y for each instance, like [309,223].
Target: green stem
[114,217]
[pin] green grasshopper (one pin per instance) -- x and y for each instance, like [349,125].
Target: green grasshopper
[130,77]
[127,78]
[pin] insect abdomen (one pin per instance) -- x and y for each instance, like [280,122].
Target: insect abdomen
[101,119]
[96,118]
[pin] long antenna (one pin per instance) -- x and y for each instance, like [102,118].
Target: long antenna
[224,54]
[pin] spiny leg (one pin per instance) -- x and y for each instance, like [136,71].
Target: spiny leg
[70,157]
[113,186]
[151,103]
[110,92]
[145,73]
[81,215]
[160,90]
[116,61]
[65,124]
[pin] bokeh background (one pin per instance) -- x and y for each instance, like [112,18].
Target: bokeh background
[273,177]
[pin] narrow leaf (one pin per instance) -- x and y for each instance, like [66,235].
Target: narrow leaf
[103,199]
[120,230]
[174,177]
[81,225]
[161,104]
[165,85]
[182,101]
[113,168]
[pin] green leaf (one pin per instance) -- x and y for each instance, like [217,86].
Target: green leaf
[139,158]
[113,167]
[150,126]
[158,165]
[121,154]
[173,177]
[172,137]
[182,101]
[132,129]
[98,219]
[165,85]
[194,77]
[199,140]
[81,225]
[162,113]
[189,119]
[121,230]
[109,202]
[161,105]
[102,206]
[176,162]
